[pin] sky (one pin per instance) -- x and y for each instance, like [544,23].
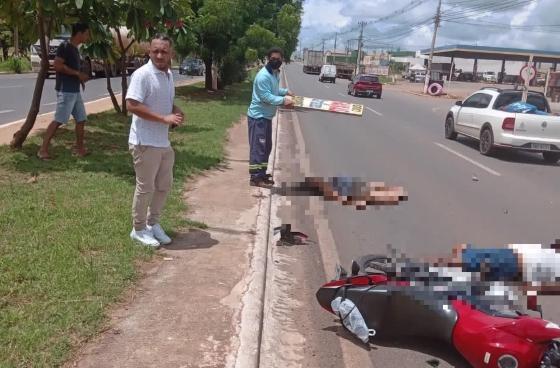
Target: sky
[515,27]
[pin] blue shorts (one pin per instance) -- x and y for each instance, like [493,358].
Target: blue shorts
[501,263]
[345,186]
[69,103]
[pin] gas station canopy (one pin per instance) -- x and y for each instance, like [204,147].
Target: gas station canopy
[494,53]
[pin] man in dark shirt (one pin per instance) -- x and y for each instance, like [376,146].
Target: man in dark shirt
[69,100]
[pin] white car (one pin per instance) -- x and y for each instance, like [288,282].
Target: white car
[490,77]
[482,117]
[328,73]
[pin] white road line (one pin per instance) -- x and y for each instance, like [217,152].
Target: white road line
[49,104]
[11,86]
[375,112]
[341,94]
[5,111]
[485,168]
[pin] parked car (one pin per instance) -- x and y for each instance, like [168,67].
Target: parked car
[465,77]
[419,77]
[490,77]
[482,116]
[328,73]
[365,84]
[192,67]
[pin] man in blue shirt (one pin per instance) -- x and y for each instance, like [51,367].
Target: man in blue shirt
[267,96]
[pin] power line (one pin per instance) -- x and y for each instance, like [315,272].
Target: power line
[505,26]
[487,7]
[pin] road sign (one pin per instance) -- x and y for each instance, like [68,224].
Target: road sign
[528,73]
[328,105]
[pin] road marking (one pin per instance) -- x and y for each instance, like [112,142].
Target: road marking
[341,94]
[485,168]
[49,104]
[11,86]
[375,112]
[5,111]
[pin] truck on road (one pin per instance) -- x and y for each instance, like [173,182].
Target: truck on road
[312,61]
[345,70]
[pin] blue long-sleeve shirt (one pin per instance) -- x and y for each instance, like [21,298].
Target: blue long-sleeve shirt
[267,95]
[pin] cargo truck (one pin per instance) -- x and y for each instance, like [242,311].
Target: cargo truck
[312,61]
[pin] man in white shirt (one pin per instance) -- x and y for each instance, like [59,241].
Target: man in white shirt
[150,99]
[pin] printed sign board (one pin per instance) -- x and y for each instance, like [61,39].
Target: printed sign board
[328,105]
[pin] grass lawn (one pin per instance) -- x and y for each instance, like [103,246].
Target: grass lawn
[65,254]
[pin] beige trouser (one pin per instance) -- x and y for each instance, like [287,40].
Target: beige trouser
[154,176]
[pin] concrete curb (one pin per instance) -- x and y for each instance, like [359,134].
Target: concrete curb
[248,353]
[252,314]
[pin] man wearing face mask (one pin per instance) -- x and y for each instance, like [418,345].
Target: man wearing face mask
[267,96]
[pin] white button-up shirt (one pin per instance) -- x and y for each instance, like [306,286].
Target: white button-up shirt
[155,89]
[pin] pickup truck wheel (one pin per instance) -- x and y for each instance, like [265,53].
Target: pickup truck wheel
[486,142]
[378,96]
[450,132]
[551,157]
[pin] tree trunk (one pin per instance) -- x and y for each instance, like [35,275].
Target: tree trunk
[124,82]
[110,88]
[208,75]
[16,41]
[21,135]
[4,47]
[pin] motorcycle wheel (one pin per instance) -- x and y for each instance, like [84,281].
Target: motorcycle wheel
[551,357]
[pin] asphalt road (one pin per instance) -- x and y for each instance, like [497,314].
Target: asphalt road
[456,195]
[16,92]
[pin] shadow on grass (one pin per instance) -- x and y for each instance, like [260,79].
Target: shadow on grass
[106,157]
[229,96]
[107,139]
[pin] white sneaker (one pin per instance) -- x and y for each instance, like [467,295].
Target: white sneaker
[144,237]
[159,234]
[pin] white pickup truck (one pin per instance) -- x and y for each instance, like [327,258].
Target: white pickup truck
[482,117]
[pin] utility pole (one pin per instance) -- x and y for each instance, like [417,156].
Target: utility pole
[362,24]
[335,36]
[436,26]
[323,51]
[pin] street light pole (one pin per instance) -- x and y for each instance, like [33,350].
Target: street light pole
[436,26]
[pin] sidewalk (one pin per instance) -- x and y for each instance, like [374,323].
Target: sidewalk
[186,311]
[43,120]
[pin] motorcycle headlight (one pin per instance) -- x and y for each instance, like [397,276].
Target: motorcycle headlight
[507,361]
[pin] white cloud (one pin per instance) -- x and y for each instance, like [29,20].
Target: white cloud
[324,17]
[324,14]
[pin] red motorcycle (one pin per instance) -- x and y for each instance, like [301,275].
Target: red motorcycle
[413,300]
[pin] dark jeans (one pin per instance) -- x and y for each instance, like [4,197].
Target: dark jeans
[260,143]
